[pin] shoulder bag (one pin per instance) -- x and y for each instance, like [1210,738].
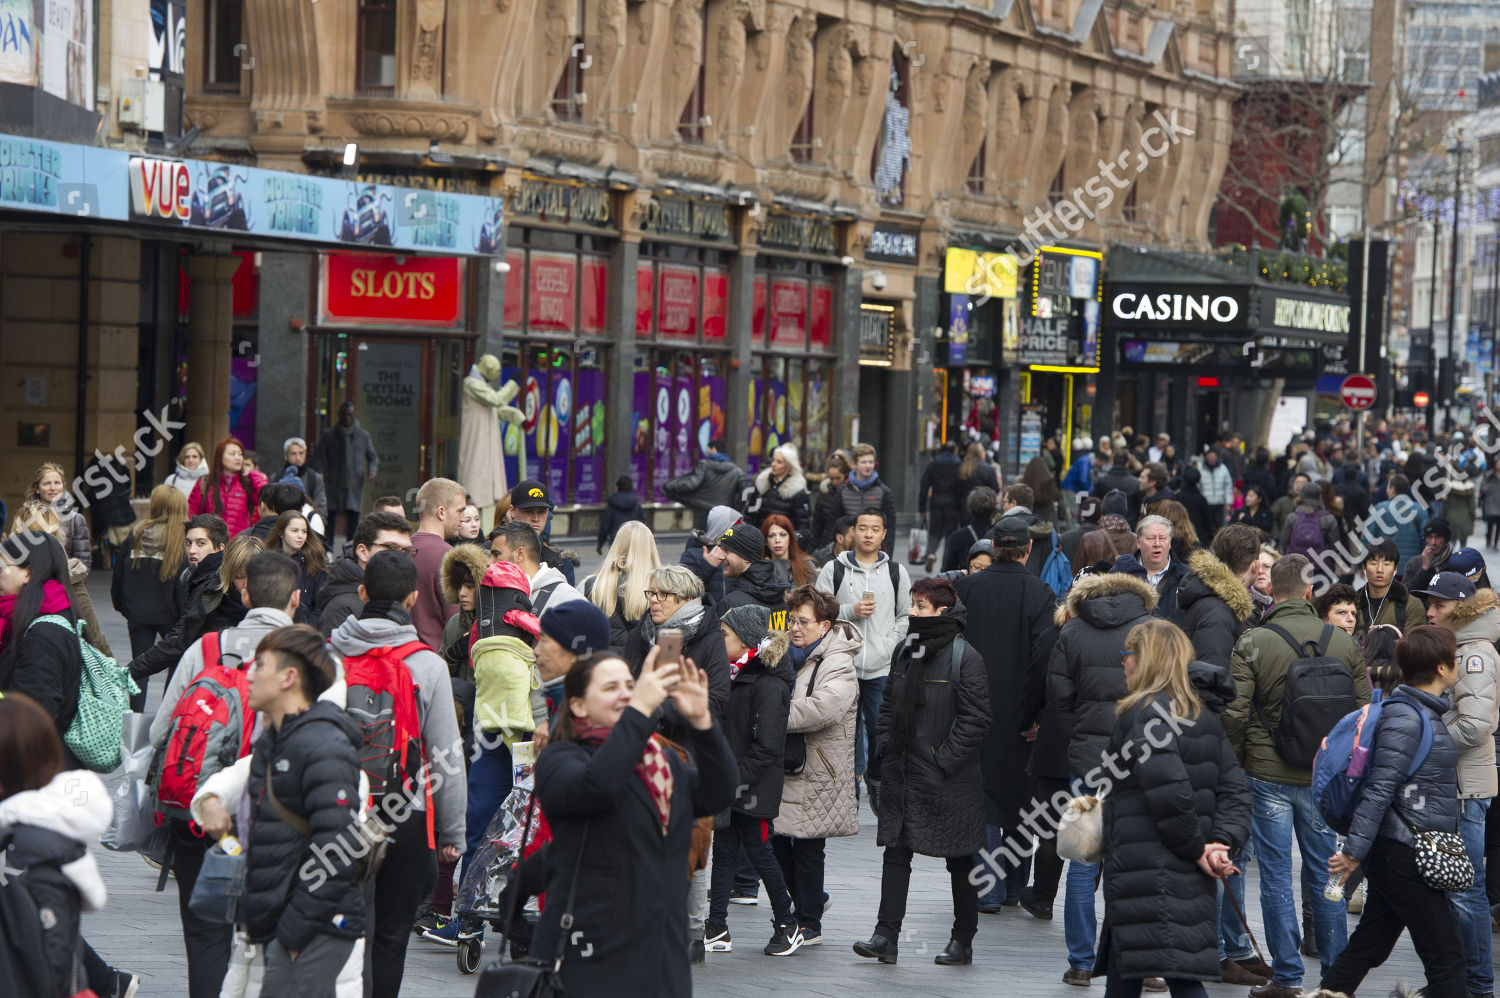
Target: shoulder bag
[533,978]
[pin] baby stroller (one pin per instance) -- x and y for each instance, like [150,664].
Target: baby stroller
[499,885]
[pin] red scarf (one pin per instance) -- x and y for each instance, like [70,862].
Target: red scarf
[54,600]
[654,769]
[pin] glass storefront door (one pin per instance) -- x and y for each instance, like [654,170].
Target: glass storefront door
[407,394]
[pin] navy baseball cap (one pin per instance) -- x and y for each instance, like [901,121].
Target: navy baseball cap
[1448,585]
[1467,562]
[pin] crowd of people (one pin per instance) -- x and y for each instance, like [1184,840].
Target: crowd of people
[1175,635]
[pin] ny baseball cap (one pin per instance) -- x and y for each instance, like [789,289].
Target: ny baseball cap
[1448,585]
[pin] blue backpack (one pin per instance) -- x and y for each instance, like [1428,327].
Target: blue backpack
[1057,571]
[1340,769]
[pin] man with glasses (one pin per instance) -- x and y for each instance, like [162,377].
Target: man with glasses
[440,502]
[339,598]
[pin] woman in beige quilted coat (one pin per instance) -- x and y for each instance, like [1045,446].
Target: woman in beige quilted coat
[818,802]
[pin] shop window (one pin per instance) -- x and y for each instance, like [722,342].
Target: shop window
[693,124]
[377,46]
[1058,189]
[226,30]
[975,179]
[566,103]
[1127,207]
[893,147]
[802,141]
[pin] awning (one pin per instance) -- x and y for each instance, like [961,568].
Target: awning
[243,203]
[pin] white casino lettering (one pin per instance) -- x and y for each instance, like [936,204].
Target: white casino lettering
[1175,307]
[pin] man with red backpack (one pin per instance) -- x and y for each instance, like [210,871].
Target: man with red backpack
[211,685]
[400,695]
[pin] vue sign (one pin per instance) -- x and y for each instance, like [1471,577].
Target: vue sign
[160,189]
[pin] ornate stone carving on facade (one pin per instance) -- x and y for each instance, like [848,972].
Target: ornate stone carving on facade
[604,45]
[443,121]
[801,183]
[424,79]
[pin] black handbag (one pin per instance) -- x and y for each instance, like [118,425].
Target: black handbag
[532,977]
[794,752]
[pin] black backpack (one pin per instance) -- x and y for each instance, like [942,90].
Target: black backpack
[839,568]
[1319,692]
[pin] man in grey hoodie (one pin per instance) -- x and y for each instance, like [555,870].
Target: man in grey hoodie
[410,869]
[272,593]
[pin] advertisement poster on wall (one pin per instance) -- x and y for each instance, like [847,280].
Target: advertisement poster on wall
[663,429]
[18,33]
[685,425]
[640,434]
[588,438]
[514,437]
[776,413]
[757,429]
[710,412]
[554,434]
[387,394]
[68,51]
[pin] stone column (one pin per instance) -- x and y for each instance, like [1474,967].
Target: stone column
[846,344]
[210,329]
[283,403]
[620,391]
[489,306]
[741,360]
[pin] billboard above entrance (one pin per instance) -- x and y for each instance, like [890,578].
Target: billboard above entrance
[243,202]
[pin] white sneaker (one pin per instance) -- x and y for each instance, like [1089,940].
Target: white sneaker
[718,942]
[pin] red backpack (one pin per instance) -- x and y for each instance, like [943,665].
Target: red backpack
[210,728]
[382,699]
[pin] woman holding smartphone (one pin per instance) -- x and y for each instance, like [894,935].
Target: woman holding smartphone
[622,807]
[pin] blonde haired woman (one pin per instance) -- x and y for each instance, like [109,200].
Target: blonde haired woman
[619,587]
[50,486]
[781,489]
[1171,824]
[37,516]
[144,584]
[191,466]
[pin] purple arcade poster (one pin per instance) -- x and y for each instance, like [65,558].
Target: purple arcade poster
[555,434]
[757,434]
[532,401]
[663,423]
[511,435]
[776,430]
[640,433]
[684,451]
[710,412]
[588,438]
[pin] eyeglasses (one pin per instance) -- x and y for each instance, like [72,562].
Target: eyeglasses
[1125,653]
[798,623]
[656,595]
[405,549]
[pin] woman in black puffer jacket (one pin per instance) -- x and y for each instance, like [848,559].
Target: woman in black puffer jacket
[935,715]
[1390,810]
[1171,824]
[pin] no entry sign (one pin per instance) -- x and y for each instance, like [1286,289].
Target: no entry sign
[1357,392]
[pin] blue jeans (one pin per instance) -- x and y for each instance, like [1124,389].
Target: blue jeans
[1079,922]
[1278,810]
[866,719]
[1234,944]
[1471,908]
[491,776]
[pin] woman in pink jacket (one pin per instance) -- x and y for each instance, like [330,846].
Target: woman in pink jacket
[228,491]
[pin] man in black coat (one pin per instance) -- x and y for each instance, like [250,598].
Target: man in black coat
[1010,624]
[1085,680]
[339,600]
[1118,477]
[981,508]
[302,897]
[714,481]
[752,579]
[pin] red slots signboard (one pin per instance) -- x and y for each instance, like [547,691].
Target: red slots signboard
[373,289]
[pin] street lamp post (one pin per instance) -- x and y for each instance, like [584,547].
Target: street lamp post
[1453,278]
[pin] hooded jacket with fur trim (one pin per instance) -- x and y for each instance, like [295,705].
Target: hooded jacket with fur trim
[1085,678]
[455,650]
[787,497]
[1213,608]
[1475,623]
[44,837]
[760,697]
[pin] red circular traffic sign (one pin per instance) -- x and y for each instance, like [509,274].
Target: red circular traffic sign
[1357,392]
[1420,400]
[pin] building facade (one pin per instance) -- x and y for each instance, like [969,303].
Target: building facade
[712,217]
